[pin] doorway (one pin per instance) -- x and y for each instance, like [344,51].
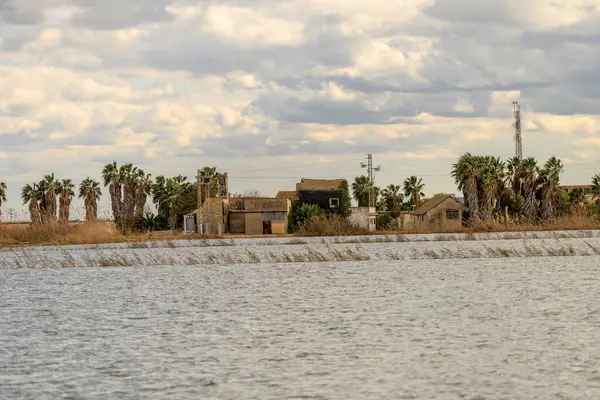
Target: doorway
[267,229]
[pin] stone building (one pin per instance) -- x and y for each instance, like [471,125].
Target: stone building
[441,212]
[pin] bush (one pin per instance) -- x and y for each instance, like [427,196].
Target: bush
[151,222]
[299,214]
[332,225]
[386,222]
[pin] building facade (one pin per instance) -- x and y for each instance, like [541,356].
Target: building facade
[587,189]
[442,212]
[326,193]
[258,215]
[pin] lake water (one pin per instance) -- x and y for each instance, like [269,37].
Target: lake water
[512,328]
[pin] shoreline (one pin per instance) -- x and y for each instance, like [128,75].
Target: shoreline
[103,233]
[184,241]
[314,250]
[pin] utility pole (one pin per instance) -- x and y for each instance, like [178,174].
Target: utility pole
[517,125]
[371,177]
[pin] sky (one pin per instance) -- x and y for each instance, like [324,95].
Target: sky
[271,91]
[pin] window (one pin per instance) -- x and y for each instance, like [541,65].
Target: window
[334,202]
[371,220]
[452,214]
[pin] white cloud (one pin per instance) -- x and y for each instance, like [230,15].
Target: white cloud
[246,26]
[175,84]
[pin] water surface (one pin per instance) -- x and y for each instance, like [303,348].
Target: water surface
[515,328]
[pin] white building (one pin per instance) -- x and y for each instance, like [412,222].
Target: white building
[363,217]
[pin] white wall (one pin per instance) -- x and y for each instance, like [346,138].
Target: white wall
[363,217]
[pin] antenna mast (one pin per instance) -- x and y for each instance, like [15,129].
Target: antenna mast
[517,125]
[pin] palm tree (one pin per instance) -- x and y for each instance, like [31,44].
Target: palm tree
[65,189]
[144,189]
[498,168]
[577,200]
[550,182]
[2,195]
[31,194]
[168,195]
[112,178]
[48,208]
[529,170]
[489,187]
[393,199]
[465,173]
[515,180]
[360,190]
[89,190]
[129,180]
[413,189]
[596,190]
[161,197]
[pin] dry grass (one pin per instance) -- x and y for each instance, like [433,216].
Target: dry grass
[16,235]
[333,225]
[572,223]
[77,233]
[562,224]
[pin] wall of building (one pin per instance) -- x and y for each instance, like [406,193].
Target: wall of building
[363,217]
[211,213]
[319,197]
[436,218]
[259,204]
[278,227]
[253,223]
[438,215]
[237,222]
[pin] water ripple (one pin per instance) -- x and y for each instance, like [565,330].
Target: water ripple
[524,328]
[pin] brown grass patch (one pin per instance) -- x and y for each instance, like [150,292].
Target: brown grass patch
[333,225]
[15,235]
[561,224]
[78,233]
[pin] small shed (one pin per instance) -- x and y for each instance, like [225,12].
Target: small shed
[259,215]
[190,222]
[441,212]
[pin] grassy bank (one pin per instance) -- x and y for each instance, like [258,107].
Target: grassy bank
[19,235]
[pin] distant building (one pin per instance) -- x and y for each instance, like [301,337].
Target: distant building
[587,189]
[258,215]
[212,197]
[326,193]
[442,211]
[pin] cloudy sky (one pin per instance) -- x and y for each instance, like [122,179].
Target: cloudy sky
[275,90]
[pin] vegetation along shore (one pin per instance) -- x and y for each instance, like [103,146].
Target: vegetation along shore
[516,195]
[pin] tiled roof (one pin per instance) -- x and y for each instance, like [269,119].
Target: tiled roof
[286,194]
[432,203]
[320,184]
